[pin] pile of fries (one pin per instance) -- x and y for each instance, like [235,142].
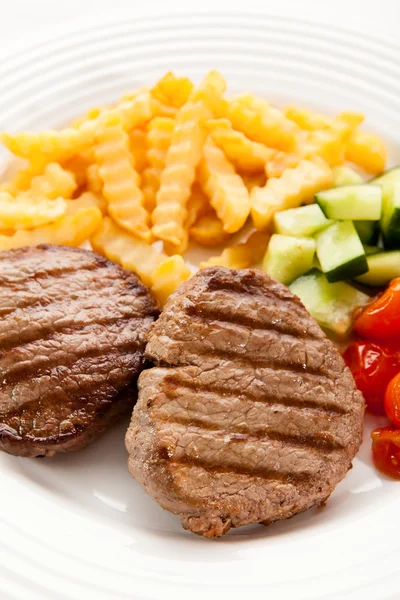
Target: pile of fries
[175,163]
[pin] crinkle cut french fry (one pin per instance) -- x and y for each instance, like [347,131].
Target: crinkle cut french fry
[173,91]
[243,255]
[54,182]
[67,231]
[182,158]
[90,115]
[93,179]
[367,151]
[198,206]
[170,274]
[294,187]
[159,135]
[127,250]
[328,144]
[25,211]
[209,231]
[87,200]
[280,162]
[263,123]
[138,147]
[21,181]
[256,180]
[225,188]
[52,146]
[308,120]
[121,181]
[77,165]
[246,155]
[56,146]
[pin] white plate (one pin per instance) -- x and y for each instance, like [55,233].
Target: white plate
[78,527]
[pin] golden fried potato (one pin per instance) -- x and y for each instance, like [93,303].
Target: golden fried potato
[159,135]
[25,211]
[182,158]
[262,122]
[67,231]
[367,151]
[87,200]
[243,255]
[246,155]
[121,181]
[173,91]
[295,186]
[225,188]
[171,273]
[54,182]
[209,231]
[127,250]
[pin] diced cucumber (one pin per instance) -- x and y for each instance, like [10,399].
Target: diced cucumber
[300,222]
[340,252]
[345,176]
[357,202]
[368,231]
[390,221]
[370,250]
[383,267]
[288,257]
[331,304]
[389,178]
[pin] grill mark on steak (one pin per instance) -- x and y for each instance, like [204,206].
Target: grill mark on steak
[240,422]
[72,338]
[260,363]
[32,302]
[235,470]
[218,315]
[320,407]
[243,433]
[53,273]
[51,333]
[77,390]
[22,371]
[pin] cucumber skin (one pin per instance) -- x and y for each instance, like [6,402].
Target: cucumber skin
[339,213]
[350,270]
[377,268]
[368,231]
[337,306]
[345,270]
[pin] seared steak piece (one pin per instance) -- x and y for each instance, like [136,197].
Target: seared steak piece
[250,414]
[73,327]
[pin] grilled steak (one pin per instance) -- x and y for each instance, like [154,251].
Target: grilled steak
[72,338]
[250,414]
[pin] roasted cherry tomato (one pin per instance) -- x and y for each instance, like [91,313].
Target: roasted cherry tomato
[373,366]
[386,450]
[381,319]
[392,401]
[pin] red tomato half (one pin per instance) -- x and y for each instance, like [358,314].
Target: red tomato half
[381,319]
[386,450]
[392,401]
[373,366]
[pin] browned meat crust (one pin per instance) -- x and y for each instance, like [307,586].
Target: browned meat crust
[72,337]
[250,414]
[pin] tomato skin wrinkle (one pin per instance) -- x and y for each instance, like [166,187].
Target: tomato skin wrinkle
[380,320]
[386,450]
[373,366]
[392,401]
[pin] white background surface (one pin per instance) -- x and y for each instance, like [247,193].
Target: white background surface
[24,22]
[125,542]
